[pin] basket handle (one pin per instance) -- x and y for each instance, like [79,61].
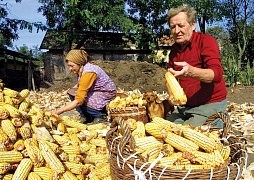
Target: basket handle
[125,131]
[225,118]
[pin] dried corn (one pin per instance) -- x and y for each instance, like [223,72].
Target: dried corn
[9,129]
[33,176]
[156,130]
[34,152]
[23,169]
[140,130]
[4,114]
[5,168]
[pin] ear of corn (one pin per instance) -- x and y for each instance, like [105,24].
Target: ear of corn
[71,149]
[132,123]
[8,177]
[61,140]
[10,93]
[9,129]
[98,142]
[51,158]
[17,121]
[152,153]
[140,130]
[225,152]
[167,150]
[203,158]
[156,130]
[45,173]
[23,169]
[61,127]
[8,100]
[24,93]
[97,126]
[72,123]
[23,106]
[4,139]
[14,112]
[206,143]
[68,175]
[180,143]
[148,141]
[170,160]
[4,114]
[97,158]
[19,145]
[5,168]
[74,139]
[75,168]
[25,132]
[175,88]
[34,152]
[33,176]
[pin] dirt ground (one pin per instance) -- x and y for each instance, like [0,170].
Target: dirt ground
[130,75]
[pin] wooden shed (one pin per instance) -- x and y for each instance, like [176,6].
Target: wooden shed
[99,45]
[17,71]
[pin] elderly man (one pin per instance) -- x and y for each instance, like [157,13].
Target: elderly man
[195,60]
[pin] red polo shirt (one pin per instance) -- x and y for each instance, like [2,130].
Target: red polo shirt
[202,52]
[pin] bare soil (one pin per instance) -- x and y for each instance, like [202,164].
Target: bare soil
[131,75]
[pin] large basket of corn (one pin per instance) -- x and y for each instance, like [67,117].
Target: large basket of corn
[220,156]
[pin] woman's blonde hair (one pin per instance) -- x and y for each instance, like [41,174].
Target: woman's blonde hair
[190,12]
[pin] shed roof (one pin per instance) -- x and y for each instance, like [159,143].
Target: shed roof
[88,40]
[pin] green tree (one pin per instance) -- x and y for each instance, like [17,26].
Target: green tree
[75,16]
[9,27]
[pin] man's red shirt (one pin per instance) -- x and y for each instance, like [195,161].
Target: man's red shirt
[202,52]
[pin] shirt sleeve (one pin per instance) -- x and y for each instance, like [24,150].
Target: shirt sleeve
[85,83]
[211,57]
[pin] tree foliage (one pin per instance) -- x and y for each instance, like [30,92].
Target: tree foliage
[9,27]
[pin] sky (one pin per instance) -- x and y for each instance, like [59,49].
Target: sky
[26,10]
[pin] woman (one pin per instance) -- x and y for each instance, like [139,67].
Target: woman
[95,89]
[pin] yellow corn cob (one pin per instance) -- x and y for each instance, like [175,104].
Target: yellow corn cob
[76,168]
[10,93]
[73,123]
[9,129]
[23,106]
[102,170]
[69,176]
[23,169]
[165,161]
[152,152]
[176,167]
[74,139]
[148,141]
[33,176]
[140,130]
[180,143]
[5,168]
[97,126]
[206,143]
[97,158]
[8,177]
[34,152]
[218,155]
[225,152]
[171,127]
[17,121]
[51,158]
[4,139]
[4,114]
[55,147]
[167,150]
[45,173]
[156,130]
[62,140]
[71,149]
[8,100]
[61,127]
[19,145]
[203,158]
[92,134]
[25,132]
[98,142]
[132,123]
[82,177]
[175,88]
[77,158]
[84,147]
[24,93]
[14,112]
[37,119]
[71,130]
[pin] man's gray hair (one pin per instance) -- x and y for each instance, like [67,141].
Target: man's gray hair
[190,12]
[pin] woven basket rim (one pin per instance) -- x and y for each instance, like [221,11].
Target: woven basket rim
[124,147]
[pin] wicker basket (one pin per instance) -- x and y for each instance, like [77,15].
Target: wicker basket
[126,163]
[136,113]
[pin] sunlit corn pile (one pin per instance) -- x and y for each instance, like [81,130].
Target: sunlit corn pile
[35,144]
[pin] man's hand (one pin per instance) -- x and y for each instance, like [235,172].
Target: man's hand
[187,70]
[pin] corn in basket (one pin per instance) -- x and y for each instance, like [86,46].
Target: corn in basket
[126,163]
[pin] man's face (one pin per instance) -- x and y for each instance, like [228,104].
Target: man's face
[181,29]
